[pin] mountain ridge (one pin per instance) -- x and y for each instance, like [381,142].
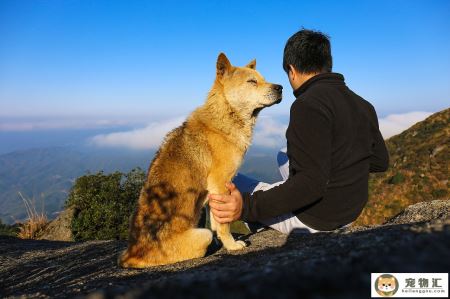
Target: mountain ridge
[418,170]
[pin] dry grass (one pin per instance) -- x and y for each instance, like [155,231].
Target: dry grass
[36,221]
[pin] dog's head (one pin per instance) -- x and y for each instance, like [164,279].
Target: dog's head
[244,87]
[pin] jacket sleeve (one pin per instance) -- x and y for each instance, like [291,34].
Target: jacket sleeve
[309,140]
[379,160]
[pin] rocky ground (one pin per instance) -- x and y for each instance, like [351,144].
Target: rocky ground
[333,264]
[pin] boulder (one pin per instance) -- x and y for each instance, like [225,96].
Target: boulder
[422,212]
[59,228]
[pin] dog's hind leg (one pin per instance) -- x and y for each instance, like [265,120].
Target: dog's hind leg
[187,245]
[190,244]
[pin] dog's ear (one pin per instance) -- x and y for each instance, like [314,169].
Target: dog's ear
[223,65]
[252,64]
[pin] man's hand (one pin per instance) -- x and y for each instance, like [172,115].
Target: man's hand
[226,208]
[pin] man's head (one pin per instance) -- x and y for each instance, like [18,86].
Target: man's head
[307,53]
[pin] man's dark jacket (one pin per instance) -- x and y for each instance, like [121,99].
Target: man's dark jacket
[333,142]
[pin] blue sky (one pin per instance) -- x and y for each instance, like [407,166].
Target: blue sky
[91,63]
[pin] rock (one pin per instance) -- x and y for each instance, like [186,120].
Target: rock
[423,211]
[59,229]
[329,264]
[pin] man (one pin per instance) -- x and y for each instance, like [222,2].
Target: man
[333,142]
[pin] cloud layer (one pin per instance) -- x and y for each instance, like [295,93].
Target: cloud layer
[149,137]
[269,131]
[394,124]
[57,124]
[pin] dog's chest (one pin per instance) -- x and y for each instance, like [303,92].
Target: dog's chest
[227,158]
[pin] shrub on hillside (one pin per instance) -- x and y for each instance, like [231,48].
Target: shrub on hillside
[104,203]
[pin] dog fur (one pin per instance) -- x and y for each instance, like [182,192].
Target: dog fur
[195,159]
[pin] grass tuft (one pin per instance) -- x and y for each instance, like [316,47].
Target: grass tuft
[36,220]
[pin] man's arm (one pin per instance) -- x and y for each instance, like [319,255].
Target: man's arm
[310,149]
[379,161]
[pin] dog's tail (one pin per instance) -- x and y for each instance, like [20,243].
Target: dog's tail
[122,259]
[141,253]
[126,261]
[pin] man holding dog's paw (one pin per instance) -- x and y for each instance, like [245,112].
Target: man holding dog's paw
[333,142]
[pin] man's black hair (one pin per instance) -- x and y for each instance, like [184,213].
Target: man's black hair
[309,52]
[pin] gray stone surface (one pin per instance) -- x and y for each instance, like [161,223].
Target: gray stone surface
[423,211]
[59,229]
[332,264]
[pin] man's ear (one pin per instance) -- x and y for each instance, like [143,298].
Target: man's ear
[292,72]
[223,65]
[252,64]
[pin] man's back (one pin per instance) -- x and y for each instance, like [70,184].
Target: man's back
[355,147]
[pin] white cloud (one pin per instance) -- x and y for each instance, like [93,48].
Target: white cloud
[394,124]
[52,124]
[149,137]
[269,132]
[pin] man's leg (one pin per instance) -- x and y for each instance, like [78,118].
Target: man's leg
[283,223]
[283,163]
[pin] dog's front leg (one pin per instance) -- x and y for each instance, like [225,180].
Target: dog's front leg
[212,222]
[224,234]
[223,230]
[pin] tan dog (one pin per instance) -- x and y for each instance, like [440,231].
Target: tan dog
[195,159]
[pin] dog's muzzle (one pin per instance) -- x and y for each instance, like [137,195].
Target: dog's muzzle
[279,89]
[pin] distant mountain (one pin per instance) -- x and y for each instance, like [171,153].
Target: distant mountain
[47,174]
[419,169]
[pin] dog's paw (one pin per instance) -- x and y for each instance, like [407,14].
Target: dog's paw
[236,245]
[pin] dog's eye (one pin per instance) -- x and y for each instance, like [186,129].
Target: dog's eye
[252,81]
